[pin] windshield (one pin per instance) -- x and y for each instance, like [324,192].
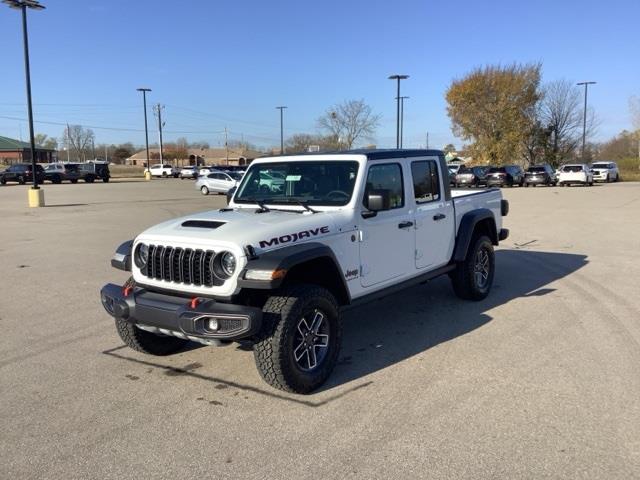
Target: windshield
[600,165]
[312,182]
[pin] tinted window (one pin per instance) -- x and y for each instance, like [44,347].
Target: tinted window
[317,182]
[572,168]
[497,170]
[536,169]
[426,183]
[386,180]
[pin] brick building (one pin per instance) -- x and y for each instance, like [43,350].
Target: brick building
[14,151]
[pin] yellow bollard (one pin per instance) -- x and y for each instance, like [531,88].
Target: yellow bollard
[36,197]
[147,175]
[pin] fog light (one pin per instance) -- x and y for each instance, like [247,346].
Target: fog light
[213,325]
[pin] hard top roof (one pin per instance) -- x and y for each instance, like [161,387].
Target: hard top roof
[370,153]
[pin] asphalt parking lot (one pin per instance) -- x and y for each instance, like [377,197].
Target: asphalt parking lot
[540,380]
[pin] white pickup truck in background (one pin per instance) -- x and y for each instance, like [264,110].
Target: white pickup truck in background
[277,266]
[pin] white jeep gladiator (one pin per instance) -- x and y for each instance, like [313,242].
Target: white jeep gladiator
[302,238]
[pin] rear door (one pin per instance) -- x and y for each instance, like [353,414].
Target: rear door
[387,239]
[434,216]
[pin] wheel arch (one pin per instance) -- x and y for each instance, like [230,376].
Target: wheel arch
[481,221]
[310,263]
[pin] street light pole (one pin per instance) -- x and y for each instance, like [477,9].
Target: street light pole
[398,78]
[281,108]
[146,130]
[584,117]
[23,5]
[402,120]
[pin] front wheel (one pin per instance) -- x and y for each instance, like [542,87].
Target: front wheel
[299,345]
[473,277]
[147,342]
[204,190]
[21,180]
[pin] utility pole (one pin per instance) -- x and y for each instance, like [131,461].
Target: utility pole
[398,78]
[427,140]
[226,144]
[584,118]
[281,108]
[157,109]
[146,130]
[106,153]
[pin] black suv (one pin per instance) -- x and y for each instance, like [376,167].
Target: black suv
[509,176]
[540,175]
[471,176]
[21,173]
[92,171]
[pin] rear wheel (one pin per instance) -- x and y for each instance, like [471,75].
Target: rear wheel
[147,342]
[21,180]
[473,277]
[300,342]
[204,190]
[3,181]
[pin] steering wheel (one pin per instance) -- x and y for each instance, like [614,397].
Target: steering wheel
[341,193]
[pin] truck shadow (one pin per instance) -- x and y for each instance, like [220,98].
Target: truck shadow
[398,327]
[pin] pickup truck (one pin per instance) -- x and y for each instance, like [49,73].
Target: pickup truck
[278,265]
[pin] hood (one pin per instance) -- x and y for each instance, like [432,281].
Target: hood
[241,227]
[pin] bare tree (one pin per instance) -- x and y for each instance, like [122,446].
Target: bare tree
[561,112]
[634,107]
[349,122]
[301,142]
[45,141]
[79,139]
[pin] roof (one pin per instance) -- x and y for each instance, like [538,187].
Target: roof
[376,154]
[10,145]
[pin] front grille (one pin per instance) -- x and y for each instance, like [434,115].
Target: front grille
[181,265]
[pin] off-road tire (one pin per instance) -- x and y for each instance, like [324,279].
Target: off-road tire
[273,350]
[147,342]
[463,278]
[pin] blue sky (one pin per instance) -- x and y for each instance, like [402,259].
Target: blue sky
[217,64]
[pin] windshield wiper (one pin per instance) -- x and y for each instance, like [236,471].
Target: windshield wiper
[260,203]
[306,206]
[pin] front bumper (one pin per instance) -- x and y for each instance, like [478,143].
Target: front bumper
[180,316]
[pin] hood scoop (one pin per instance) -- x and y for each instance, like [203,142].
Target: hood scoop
[202,224]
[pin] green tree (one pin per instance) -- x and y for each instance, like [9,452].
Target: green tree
[492,107]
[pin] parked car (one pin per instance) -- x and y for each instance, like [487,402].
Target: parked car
[275,271]
[540,175]
[188,172]
[92,171]
[579,173]
[206,170]
[165,171]
[605,172]
[59,172]
[508,176]
[216,182]
[21,173]
[470,176]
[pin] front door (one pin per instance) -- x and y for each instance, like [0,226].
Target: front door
[434,216]
[386,239]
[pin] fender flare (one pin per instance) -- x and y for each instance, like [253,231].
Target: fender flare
[283,260]
[122,258]
[467,227]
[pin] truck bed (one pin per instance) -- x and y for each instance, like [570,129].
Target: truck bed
[467,200]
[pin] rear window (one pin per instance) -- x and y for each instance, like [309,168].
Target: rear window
[464,170]
[535,169]
[573,168]
[497,170]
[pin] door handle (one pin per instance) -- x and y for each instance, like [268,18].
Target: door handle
[405,224]
[439,216]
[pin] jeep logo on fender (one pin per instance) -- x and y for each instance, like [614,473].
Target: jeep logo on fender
[294,237]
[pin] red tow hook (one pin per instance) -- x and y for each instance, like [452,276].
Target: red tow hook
[128,287]
[194,302]
[127,290]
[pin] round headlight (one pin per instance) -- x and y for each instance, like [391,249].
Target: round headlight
[141,256]
[228,263]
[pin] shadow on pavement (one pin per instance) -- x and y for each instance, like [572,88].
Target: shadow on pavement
[398,327]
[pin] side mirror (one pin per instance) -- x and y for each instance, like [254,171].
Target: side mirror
[375,202]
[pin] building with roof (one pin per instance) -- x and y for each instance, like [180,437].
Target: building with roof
[197,156]
[15,151]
